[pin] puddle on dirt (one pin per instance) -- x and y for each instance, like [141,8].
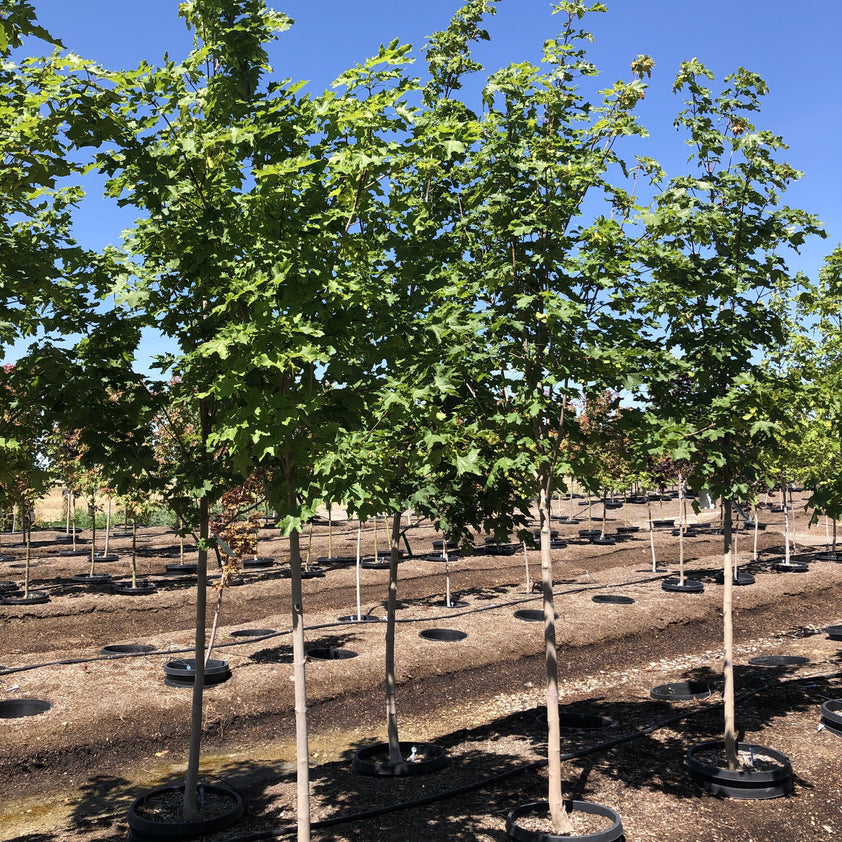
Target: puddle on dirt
[103,801]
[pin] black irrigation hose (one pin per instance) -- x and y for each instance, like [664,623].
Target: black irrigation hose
[518,770]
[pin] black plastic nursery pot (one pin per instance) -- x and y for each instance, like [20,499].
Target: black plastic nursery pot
[182,569]
[356,618]
[17,708]
[127,649]
[336,559]
[590,533]
[612,599]
[833,632]
[138,589]
[790,566]
[832,716]
[106,557]
[145,812]
[828,555]
[259,563]
[603,540]
[253,633]
[531,615]
[181,672]
[682,691]
[379,563]
[570,722]
[418,759]
[663,523]
[92,578]
[778,661]
[627,530]
[689,586]
[741,579]
[34,598]
[330,653]
[766,774]
[611,830]
[443,635]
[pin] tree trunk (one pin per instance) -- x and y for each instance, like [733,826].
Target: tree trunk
[728,639]
[560,819]
[682,520]
[395,757]
[191,781]
[302,748]
[93,534]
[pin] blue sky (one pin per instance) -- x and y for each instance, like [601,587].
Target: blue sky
[794,47]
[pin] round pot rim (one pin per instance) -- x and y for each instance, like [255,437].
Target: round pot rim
[435,758]
[608,835]
[175,830]
[738,776]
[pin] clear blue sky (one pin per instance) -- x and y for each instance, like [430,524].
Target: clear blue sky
[795,47]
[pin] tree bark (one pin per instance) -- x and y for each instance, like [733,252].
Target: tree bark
[302,748]
[728,639]
[560,819]
[395,757]
[191,781]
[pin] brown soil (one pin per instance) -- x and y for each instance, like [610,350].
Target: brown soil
[115,729]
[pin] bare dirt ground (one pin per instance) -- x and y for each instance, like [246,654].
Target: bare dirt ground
[115,729]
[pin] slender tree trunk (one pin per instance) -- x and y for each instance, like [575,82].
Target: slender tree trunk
[193,754]
[682,520]
[651,534]
[93,534]
[526,562]
[357,571]
[107,527]
[28,559]
[728,639]
[560,819]
[302,748]
[134,553]
[395,757]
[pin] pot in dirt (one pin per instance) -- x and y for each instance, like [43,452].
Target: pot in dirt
[443,635]
[741,579]
[828,555]
[689,586]
[181,569]
[603,540]
[34,598]
[330,653]
[790,566]
[627,530]
[181,672]
[138,589]
[127,649]
[663,523]
[834,632]
[157,813]
[531,615]
[258,563]
[779,661]
[92,578]
[418,759]
[832,716]
[682,691]
[765,773]
[612,599]
[571,723]
[17,708]
[591,822]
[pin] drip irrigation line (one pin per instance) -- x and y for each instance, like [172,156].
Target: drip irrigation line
[491,780]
